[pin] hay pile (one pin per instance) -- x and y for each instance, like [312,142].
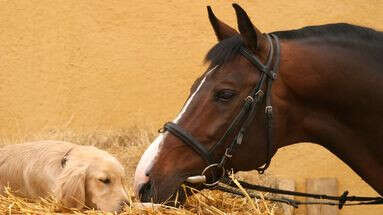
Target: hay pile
[127,146]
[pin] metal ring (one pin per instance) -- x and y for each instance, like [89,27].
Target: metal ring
[210,166]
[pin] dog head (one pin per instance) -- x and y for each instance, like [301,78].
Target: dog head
[91,178]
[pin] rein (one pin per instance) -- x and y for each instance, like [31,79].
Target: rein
[242,121]
[341,200]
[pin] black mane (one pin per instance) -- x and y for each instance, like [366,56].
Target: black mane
[353,35]
[341,30]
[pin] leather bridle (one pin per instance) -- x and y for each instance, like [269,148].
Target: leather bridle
[243,119]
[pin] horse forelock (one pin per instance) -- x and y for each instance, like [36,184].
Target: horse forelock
[224,51]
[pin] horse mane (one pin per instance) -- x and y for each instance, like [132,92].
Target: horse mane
[344,34]
[340,30]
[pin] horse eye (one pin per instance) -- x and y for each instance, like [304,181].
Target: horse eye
[224,95]
[105,180]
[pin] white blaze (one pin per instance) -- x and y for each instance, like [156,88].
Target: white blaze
[192,96]
[147,159]
[146,162]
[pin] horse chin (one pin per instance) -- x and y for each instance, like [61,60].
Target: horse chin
[169,192]
[166,191]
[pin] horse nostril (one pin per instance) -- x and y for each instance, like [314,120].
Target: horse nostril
[140,179]
[144,192]
[147,174]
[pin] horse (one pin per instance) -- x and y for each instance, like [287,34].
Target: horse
[264,91]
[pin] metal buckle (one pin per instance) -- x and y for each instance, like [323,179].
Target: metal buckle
[227,153]
[271,74]
[269,111]
[259,95]
[249,99]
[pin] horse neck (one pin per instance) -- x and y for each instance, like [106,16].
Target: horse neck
[331,96]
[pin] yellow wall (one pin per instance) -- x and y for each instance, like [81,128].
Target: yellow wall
[113,64]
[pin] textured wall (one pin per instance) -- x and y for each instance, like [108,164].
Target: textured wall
[114,64]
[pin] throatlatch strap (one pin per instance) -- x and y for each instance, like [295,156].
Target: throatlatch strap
[269,128]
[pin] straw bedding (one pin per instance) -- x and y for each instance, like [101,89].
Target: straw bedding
[127,146]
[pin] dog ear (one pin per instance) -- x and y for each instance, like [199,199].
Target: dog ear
[70,187]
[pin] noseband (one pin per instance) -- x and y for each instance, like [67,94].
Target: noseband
[243,119]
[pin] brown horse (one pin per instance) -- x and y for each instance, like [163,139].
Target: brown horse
[328,91]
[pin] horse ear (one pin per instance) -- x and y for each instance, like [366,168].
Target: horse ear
[222,31]
[250,34]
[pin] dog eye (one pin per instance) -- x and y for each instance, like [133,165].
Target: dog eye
[224,95]
[105,180]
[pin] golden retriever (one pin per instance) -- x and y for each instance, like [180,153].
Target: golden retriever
[76,175]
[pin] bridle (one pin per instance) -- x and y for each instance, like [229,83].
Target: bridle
[243,119]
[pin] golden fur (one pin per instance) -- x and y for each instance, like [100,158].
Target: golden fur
[76,175]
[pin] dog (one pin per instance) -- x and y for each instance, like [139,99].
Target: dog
[78,176]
